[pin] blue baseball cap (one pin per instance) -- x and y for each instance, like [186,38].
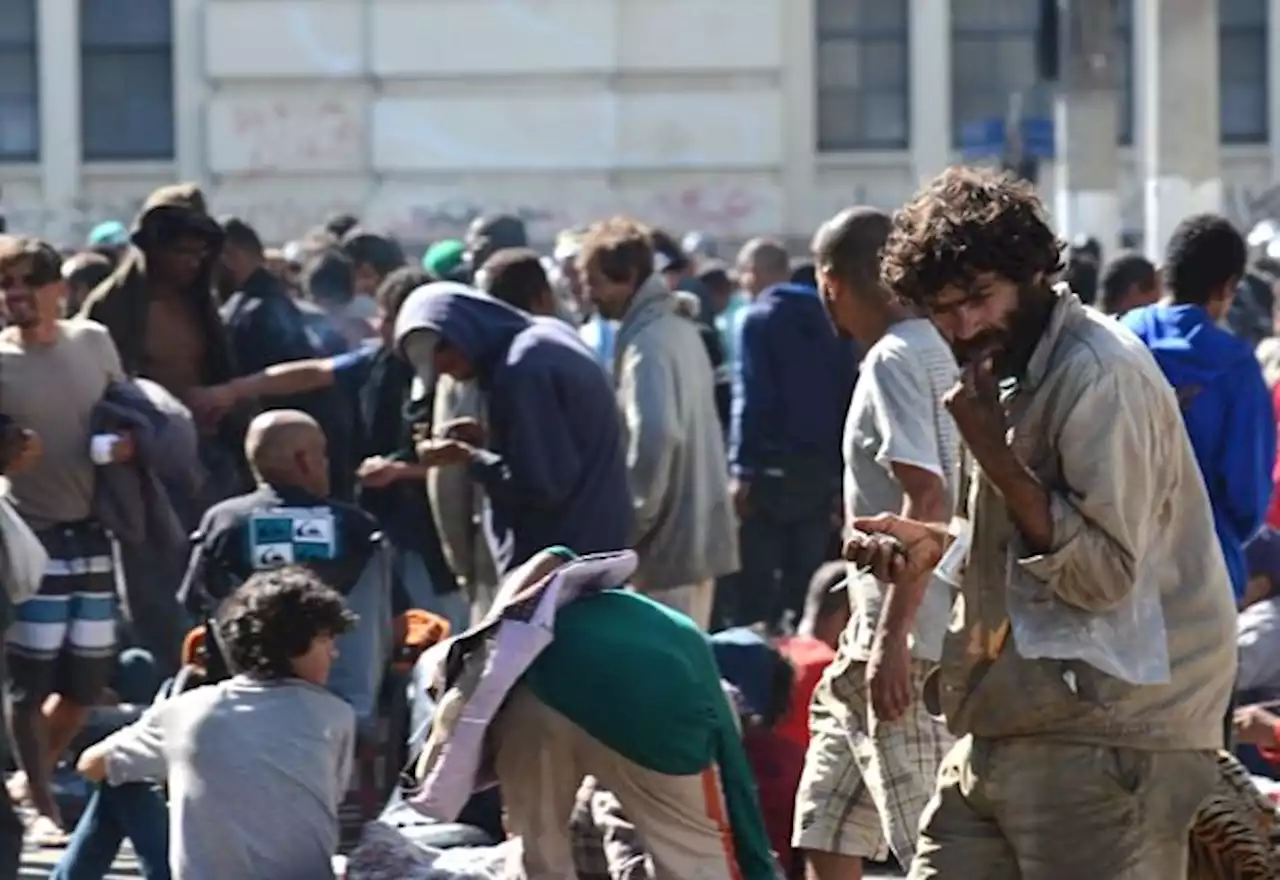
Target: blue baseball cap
[109,233]
[748,662]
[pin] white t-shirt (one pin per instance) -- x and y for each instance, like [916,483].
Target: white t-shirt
[896,415]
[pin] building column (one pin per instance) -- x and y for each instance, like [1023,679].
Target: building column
[799,116]
[1086,111]
[929,76]
[58,62]
[189,91]
[1178,114]
[1273,86]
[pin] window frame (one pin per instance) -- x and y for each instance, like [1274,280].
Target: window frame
[158,49]
[1125,45]
[1237,30]
[1033,91]
[31,49]
[1127,97]
[824,142]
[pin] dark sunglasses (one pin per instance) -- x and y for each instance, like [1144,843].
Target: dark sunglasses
[32,280]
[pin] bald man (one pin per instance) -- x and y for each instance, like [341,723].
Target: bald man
[873,749]
[762,263]
[285,445]
[289,518]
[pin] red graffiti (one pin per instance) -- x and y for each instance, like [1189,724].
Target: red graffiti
[724,211]
[287,135]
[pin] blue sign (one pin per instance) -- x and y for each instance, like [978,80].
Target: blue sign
[982,140]
[1037,137]
[986,139]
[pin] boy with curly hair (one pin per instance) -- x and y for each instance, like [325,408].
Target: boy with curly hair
[256,765]
[1086,496]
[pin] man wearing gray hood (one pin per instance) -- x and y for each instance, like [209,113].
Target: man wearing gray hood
[684,530]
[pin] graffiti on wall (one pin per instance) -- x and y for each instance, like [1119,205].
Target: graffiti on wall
[450,218]
[72,224]
[733,211]
[257,136]
[730,211]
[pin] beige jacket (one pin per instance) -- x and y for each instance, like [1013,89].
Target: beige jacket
[458,505]
[1100,426]
[685,531]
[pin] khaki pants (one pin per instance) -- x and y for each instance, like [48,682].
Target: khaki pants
[541,758]
[1032,809]
[694,600]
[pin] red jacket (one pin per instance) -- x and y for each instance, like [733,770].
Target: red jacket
[1273,512]
[809,658]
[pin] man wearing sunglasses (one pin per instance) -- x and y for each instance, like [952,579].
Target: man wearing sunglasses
[53,373]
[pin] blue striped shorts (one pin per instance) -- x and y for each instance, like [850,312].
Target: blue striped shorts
[63,639]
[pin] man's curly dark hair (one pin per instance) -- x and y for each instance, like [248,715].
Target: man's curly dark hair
[273,618]
[963,223]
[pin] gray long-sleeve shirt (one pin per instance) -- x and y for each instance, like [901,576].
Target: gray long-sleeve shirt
[684,527]
[1096,421]
[256,771]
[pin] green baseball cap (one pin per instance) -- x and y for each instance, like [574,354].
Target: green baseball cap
[444,258]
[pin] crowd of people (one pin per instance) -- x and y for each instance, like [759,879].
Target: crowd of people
[938,546]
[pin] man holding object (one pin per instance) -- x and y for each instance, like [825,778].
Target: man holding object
[874,751]
[1087,485]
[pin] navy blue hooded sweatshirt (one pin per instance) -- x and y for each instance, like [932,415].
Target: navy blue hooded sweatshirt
[795,377]
[555,471]
[1228,414]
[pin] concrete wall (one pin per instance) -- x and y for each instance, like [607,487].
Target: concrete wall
[416,115]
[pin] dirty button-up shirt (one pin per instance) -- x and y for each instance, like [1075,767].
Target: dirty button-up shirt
[1097,422]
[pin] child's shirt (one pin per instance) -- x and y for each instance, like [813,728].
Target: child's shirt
[256,771]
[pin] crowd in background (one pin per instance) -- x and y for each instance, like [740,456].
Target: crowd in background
[246,444]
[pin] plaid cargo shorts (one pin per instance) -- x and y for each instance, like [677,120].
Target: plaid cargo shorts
[865,784]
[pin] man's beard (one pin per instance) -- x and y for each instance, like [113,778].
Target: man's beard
[1009,348]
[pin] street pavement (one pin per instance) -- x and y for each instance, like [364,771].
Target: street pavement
[37,864]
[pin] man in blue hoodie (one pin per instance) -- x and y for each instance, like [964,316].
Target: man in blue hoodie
[553,465]
[1224,400]
[789,398]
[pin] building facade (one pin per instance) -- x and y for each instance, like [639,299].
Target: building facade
[733,116]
